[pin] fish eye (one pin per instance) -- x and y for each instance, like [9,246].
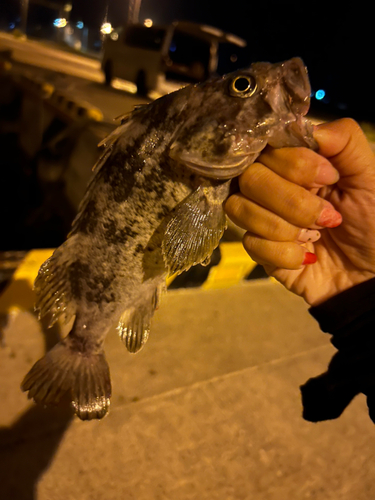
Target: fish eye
[242,86]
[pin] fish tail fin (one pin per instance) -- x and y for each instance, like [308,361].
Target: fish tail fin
[63,370]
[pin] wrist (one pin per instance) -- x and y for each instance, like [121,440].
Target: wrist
[345,307]
[337,285]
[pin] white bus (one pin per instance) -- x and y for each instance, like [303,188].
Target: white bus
[182,52]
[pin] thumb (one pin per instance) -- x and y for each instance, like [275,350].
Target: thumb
[344,144]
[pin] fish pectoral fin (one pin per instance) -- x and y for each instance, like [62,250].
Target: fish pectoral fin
[64,370]
[134,329]
[195,228]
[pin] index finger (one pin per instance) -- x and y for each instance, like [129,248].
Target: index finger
[301,166]
[344,144]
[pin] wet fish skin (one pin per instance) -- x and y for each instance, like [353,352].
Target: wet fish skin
[154,207]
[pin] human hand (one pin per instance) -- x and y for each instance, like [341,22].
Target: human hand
[290,193]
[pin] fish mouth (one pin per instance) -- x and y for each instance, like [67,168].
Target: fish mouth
[222,171]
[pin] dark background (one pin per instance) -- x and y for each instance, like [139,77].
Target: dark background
[335,39]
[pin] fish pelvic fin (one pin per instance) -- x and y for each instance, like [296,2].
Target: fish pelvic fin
[195,228]
[65,370]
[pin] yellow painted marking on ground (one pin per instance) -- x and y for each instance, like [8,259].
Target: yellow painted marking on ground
[48,89]
[169,280]
[95,114]
[19,295]
[29,267]
[235,264]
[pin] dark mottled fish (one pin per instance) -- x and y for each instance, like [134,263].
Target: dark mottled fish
[153,208]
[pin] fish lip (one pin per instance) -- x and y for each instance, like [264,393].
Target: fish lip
[221,172]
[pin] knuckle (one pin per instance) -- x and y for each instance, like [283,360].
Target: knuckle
[303,166]
[291,257]
[295,202]
[250,176]
[281,230]
[248,241]
[297,164]
[302,207]
[351,124]
[232,206]
[253,245]
[287,254]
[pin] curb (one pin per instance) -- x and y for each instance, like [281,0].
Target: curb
[230,266]
[58,101]
[73,108]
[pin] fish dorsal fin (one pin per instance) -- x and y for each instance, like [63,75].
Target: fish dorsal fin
[108,142]
[195,228]
[124,117]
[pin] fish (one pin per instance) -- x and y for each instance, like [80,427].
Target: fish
[153,208]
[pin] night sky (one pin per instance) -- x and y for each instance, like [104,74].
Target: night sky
[334,38]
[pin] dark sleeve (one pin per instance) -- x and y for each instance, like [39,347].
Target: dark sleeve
[350,318]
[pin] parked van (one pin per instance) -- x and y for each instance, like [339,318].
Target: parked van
[182,52]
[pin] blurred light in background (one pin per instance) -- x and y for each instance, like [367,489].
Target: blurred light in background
[80,25]
[117,83]
[320,94]
[147,23]
[60,22]
[106,28]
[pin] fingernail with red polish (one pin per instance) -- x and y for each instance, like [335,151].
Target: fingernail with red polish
[329,217]
[310,258]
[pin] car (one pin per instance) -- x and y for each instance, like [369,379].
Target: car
[180,53]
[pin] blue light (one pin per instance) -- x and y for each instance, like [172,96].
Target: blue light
[12,26]
[320,94]
[80,25]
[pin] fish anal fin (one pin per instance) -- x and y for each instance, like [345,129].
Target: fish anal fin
[135,322]
[64,370]
[134,329]
[195,228]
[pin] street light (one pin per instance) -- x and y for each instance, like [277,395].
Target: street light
[60,22]
[24,13]
[51,4]
[133,12]
[106,28]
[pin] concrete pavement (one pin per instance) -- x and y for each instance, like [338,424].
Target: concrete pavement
[210,409]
